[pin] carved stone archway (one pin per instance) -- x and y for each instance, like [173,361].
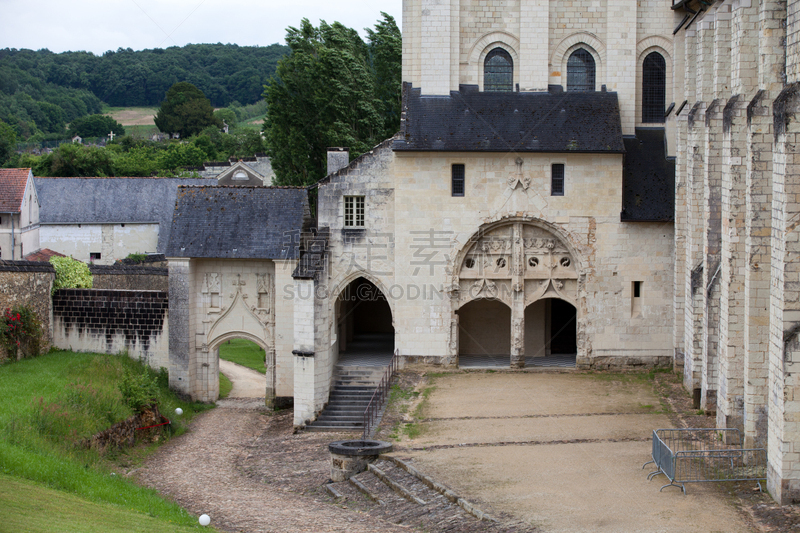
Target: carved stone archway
[518,263]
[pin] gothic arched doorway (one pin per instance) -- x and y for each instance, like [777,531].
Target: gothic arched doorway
[364,326]
[484,335]
[237,344]
[534,273]
[550,333]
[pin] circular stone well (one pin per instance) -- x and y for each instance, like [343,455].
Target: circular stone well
[350,457]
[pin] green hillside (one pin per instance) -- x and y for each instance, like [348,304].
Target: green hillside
[41,91]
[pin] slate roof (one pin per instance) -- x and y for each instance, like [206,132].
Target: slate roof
[12,188]
[112,200]
[238,222]
[648,178]
[468,120]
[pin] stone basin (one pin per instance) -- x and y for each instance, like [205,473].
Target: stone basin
[350,457]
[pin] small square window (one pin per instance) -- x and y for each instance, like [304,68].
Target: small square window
[557,180]
[94,256]
[354,211]
[458,180]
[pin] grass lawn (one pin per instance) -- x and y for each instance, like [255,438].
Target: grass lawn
[32,507]
[245,353]
[225,386]
[49,407]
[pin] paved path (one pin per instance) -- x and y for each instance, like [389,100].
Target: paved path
[247,383]
[562,452]
[207,470]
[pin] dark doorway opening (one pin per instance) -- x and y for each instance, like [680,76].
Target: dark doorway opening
[563,328]
[365,333]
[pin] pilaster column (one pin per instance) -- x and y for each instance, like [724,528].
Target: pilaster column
[758,206]
[435,47]
[783,399]
[621,59]
[712,241]
[181,337]
[534,31]
[518,302]
[305,409]
[693,326]
[730,391]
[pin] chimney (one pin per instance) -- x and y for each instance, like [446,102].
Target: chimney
[338,158]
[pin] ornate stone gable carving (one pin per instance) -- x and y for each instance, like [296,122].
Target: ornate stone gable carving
[238,317]
[519,258]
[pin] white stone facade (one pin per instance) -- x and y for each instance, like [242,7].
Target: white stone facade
[215,300]
[102,244]
[445,43]
[737,303]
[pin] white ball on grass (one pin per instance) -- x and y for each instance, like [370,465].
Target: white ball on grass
[179,411]
[205,519]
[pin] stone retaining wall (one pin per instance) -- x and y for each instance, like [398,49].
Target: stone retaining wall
[113,321]
[28,283]
[130,277]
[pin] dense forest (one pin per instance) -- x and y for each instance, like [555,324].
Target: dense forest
[41,91]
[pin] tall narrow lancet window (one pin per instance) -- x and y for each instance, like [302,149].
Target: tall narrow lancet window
[580,71]
[498,71]
[654,88]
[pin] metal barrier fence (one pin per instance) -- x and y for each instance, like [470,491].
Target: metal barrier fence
[700,455]
[373,410]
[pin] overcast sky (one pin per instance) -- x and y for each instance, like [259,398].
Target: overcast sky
[97,26]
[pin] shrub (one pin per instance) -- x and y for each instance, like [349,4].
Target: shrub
[137,258]
[139,389]
[70,274]
[20,332]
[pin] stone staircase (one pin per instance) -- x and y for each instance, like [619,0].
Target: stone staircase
[394,491]
[351,391]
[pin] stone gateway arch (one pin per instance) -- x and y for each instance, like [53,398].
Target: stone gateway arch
[512,268]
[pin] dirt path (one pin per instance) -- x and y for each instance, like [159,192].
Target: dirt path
[247,383]
[219,468]
[562,452]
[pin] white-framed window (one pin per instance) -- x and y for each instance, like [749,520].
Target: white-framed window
[354,211]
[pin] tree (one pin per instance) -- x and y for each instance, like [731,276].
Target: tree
[326,92]
[227,116]
[95,126]
[185,111]
[8,142]
[386,51]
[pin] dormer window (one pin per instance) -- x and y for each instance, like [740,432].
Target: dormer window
[240,175]
[498,71]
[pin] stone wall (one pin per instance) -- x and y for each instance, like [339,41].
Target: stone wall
[446,42]
[28,283]
[130,277]
[738,174]
[113,321]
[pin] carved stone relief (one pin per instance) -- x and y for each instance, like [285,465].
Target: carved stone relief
[513,256]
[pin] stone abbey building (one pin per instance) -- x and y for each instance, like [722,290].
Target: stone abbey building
[737,290]
[599,183]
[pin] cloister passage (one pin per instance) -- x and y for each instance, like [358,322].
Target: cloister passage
[550,336]
[365,332]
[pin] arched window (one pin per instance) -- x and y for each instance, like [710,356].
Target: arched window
[580,71]
[498,71]
[654,88]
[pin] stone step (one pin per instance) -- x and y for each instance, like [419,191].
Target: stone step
[333,429]
[392,493]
